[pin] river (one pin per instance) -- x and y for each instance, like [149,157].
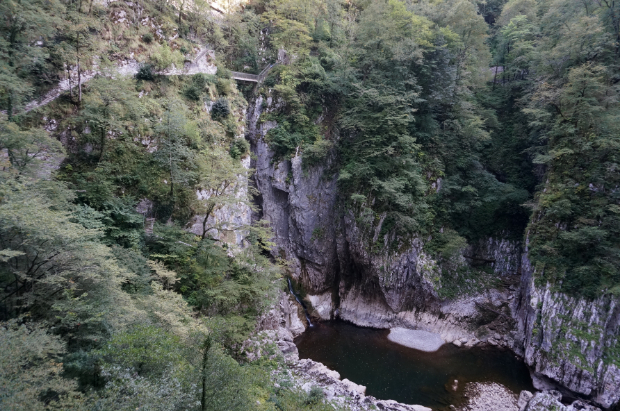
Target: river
[391,371]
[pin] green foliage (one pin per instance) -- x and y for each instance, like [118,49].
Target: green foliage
[125,311]
[572,111]
[446,244]
[288,400]
[25,65]
[35,220]
[315,395]
[228,384]
[147,350]
[576,221]
[220,109]
[194,90]
[285,138]
[403,89]
[109,107]
[30,347]
[145,72]
[239,148]
[316,152]
[464,281]
[210,278]
[393,93]
[26,148]
[174,137]
[165,57]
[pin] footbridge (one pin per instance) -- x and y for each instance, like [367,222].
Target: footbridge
[254,78]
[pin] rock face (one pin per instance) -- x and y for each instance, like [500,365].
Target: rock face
[299,204]
[569,341]
[229,216]
[345,392]
[550,400]
[285,315]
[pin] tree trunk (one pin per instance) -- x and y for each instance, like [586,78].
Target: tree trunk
[102,145]
[79,82]
[9,109]
[205,359]
[69,79]
[180,14]
[204,221]
[77,50]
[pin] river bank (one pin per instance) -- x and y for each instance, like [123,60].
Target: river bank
[489,376]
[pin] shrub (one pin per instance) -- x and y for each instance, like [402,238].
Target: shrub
[239,148]
[222,72]
[210,78]
[316,152]
[315,395]
[220,109]
[192,93]
[145,349]
[164,57]
[224,86]
[271,80]
[147,38]
[145,72]
[446,244]
[199,81]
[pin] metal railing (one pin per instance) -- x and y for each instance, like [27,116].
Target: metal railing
[256,78]
[244,76]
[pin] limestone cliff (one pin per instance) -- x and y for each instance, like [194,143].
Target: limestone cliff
[328,252]
[569,341]
[573,343]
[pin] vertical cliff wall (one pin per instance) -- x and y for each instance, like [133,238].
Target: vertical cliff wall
[568,342]
[328,247]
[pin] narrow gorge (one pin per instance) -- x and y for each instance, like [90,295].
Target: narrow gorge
[310,205]
[569,344]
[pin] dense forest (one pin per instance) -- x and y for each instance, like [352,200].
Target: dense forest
[452,120]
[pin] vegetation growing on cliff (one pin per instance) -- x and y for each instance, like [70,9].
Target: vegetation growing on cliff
[428,137]
[109,302]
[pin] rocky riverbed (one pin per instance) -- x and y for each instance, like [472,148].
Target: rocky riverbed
[496,397]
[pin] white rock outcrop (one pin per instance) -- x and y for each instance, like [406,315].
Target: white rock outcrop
[416,339]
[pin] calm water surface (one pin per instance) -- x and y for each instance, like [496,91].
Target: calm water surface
[391,371]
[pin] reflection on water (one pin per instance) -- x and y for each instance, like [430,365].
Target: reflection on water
[391,371]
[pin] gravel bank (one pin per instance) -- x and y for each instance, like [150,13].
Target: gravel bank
[489,397]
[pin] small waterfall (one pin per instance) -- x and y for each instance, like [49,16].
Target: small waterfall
[290,287]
